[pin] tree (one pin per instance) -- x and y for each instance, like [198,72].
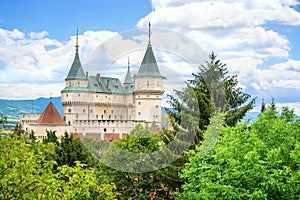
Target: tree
[18,130]
[71,149]
[263,106]
[3,122]
[133,164]
[32,137]
[27,173]
[256,162]
[212,89]
[51,137]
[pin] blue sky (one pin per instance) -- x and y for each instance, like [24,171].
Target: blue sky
[60,18]
[259,41]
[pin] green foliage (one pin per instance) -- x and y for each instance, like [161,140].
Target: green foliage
[32,137]
[256,162]
[3,122]
[96,148]
[18,130]
[211,90]
[130,156]
[263,106]
[27,173]
[71,149]
[51,137]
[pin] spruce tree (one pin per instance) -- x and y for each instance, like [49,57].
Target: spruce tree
[211,89]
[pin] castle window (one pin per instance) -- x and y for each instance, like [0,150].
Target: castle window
[78,83]
[69,110]
[156,106]
[70,84]
[112,111]
[147,83]
[101,116]
[79,95]
[96,116]
[139,103]
[67,95]
[109,117]
[91,111]
[104,111]
[104,130]
[76,116]
[83,110]
[139,113]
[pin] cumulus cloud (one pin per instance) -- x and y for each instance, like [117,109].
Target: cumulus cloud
[239,32]
[34,65]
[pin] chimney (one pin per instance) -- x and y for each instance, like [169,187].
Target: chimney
[108,84]
[87,74]
[98,78]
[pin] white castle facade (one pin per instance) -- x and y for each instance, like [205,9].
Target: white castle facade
[104,108]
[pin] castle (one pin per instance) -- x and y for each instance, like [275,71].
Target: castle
[104,108]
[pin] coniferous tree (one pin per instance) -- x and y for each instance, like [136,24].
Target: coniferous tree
[32,137]
[3,122]
[263,106]
[51,137]
[71,149]
[212,89]
[273,104]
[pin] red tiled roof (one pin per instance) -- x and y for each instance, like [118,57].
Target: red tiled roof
[154,128]
[50,116]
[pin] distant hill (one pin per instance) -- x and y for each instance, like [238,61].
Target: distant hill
[12,108]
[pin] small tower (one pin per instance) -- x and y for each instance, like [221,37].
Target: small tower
[128,79]
[76,82]
[148,87]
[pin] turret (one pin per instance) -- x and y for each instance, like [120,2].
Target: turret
[75,83]
[148,87]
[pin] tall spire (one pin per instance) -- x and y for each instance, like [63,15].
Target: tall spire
[149,65]
[149,33]
[128,79]
[128,62]
[76,72]
[77,46]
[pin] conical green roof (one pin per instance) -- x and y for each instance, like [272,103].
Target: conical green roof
[76,71]
[149,66]
[128,79]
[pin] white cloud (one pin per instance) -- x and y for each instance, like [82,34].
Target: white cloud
[238,31]
[34,65]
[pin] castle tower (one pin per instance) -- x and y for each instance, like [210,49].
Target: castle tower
[148,88]
[128,79]
[75,84]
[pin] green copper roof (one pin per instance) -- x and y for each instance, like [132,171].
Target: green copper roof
[128,79]
[76,71]
[149,66]
[106,85]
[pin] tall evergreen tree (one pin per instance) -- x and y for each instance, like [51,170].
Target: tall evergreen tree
[211,89]
[263,106]
[3,122]
[71,149]
[51,137]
